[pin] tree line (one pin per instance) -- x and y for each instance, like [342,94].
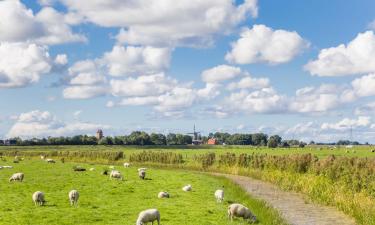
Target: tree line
[142,138]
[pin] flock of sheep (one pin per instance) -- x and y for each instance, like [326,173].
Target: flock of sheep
[146,216]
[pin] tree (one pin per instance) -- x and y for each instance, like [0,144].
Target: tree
[274,141]
[158,139]
[259,139]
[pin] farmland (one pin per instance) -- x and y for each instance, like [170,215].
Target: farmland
[105,201]
[339,177]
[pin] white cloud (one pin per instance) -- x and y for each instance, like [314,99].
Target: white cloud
[367,109]
[61,59]
[265,100]
[364,86]
[43,124]
[250,83]
[135,60]
[361,121]
[22,64]
[220,73]
[263,44]
[357,57]
[149,85]
[165,22]
[311,99]
[84,92]
[48,26]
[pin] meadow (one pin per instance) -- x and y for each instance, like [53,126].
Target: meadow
[105,201]
[339,177]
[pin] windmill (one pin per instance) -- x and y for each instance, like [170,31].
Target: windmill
[196,137]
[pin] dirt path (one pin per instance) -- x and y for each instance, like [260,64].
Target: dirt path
[291,205]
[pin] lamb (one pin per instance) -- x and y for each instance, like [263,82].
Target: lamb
[149,215]
[38,198]
[126,165]
[115,174]
[238,210]
[219,195]
[187,188]
[163,194]
[142,173]
[16,177]
[50,161]
[73,197]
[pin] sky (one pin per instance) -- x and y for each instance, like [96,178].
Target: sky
[301,69]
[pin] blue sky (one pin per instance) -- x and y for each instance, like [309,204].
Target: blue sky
[301,69]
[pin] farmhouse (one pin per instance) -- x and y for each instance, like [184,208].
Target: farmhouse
[212,141]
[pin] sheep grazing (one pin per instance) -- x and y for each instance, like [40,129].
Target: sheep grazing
[187,188]
[163,194]
[50,161]
[142,173]
[238,210]
[149,215]
[115,174]
[219,195]
[16,177]
[38,198]
[126,165]
[73,197]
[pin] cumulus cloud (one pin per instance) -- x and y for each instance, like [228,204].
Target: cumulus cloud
[134,60]
[220,73]
[167,23]
[364,86]
[141,86]
[249,82]
[344,124]
[265,100]
[312,100]
[263,44]
[84,92]
[22,64]
[48,26]
[43,124]
[357,57]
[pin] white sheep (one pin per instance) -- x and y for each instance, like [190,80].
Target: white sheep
[50,160]
[17,176]
[38,198]
[163,194]
[142,174]
[126,165]
[115,174]
[219,195]
[73,197]
[238,210]
[187,188]
[149,215]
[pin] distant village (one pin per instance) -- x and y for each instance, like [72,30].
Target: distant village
[192,138]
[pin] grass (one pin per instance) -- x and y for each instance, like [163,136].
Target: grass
[104,201]
[189,151]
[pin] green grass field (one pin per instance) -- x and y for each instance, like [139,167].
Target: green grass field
[104,201]
[188,151]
